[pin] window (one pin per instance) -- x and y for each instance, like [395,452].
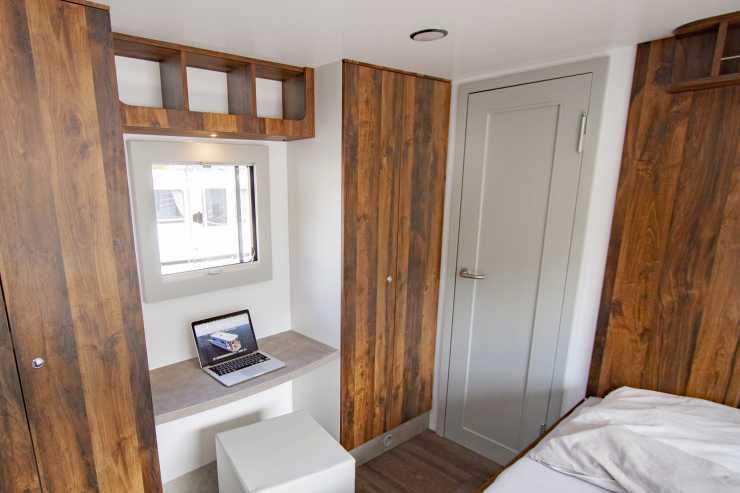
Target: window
[214,225]
[203,202]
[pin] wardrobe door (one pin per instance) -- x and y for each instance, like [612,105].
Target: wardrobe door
[421,178]
[372,145]
[394,153]
[66,256]
[17,464]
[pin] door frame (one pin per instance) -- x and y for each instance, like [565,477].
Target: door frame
[598,67]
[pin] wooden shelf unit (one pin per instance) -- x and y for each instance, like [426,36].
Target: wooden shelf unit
[175,117]
[709,54]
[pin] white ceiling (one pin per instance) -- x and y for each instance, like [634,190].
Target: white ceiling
[485,35]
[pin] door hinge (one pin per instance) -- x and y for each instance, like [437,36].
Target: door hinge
[582,131]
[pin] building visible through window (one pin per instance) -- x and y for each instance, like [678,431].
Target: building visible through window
[216,206]
[205,215]
[169,205]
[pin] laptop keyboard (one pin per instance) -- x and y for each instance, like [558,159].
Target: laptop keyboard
[239,363]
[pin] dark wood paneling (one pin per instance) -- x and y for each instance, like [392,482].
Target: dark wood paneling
[241,86]
[670,311]
[294,98]
[394,153]
[17,462]
[119,210]
[174,82]
[394,70]
[369,253]
[67,261]
[421,205]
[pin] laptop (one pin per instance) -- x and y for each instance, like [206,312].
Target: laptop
[227,349]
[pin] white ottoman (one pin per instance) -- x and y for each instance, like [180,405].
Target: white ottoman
[290,453]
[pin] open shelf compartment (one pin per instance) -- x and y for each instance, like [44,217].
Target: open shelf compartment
[175,116]
[710,54]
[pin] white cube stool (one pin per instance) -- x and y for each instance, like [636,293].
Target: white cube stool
[290,453]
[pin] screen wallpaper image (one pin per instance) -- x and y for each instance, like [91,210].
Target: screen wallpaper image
[220,339]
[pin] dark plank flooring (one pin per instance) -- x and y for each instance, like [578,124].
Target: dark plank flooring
[427,463]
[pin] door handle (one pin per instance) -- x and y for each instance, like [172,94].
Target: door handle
[464,272]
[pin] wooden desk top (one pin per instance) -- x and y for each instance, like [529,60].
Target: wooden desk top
[183,389]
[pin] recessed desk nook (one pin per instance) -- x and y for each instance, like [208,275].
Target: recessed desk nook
[206,149]
[183,389]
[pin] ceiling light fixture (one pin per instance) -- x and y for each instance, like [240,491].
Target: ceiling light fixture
[429,34]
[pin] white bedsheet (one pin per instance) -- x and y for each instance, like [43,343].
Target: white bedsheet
[639,441]
[528,476]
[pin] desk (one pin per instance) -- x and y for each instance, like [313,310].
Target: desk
[183,389]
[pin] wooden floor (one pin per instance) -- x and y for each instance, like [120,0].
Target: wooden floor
[427,463]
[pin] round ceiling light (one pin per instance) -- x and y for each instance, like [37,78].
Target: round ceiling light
[429,34]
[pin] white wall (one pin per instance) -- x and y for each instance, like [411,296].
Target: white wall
[315,212]
[598,224]
[188,443]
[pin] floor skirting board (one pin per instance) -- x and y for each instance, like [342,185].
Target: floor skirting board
[390,439]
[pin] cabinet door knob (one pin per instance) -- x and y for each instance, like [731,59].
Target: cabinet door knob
[38,363]
[389,279]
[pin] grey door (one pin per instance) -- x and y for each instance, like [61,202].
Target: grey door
[521,172]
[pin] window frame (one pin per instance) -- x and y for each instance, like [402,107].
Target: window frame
[142,154]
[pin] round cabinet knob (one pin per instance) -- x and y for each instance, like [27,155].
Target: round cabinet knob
[389,279]
[38,363]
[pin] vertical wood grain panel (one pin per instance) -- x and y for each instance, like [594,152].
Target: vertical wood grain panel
[421,204]
[394,154]
[241,86]
[30,263]
[67,263]
[174,82]
[18,470]
[669,317]
[119,209]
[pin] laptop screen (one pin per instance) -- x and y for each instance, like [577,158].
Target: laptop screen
[222,338]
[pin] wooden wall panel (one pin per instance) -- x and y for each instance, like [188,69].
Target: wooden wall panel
[18,470]
[66,260]
[394,154]
[670,312]
[421,207]
[371,155]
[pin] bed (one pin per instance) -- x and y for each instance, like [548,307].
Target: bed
[526,474]
[636,441]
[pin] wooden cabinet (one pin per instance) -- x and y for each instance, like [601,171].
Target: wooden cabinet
[67,262]
[394,151]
